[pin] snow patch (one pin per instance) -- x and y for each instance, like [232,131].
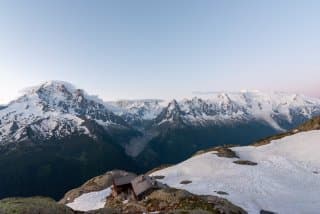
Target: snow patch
[90,201]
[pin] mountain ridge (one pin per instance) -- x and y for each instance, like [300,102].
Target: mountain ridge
[59,105]
[275,108]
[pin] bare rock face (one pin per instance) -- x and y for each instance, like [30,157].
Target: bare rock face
[95,184]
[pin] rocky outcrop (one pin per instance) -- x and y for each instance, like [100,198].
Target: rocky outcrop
[172,200]
[95,184]
[164,200]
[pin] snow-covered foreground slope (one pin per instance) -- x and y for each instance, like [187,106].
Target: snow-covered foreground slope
[90,201]
[286,178]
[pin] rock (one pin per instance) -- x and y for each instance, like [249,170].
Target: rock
[171,200]
[266,212]
[162,205]
[222,193]
[223,205]
[186,182]
[170,195]
[245,162]
[225,152]
[195,211]
[186,202]
[158,177]
[103,211]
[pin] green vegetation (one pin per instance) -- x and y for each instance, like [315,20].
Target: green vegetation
[34,205]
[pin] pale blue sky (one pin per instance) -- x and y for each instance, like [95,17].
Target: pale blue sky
[160,48]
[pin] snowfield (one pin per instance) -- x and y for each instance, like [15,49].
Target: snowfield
[90,201]
[286,178]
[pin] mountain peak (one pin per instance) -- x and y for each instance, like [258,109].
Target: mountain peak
[173,104]
[54,92]
[171,114]
[52,85]
[54,108]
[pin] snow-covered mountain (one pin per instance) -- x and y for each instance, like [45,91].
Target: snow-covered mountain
[54,109]
[58,109]
[55,137]
[172,116]
[279,110]
[215,119]
[281,176]
[135,112]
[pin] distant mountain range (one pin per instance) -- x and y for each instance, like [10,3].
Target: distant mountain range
[58,135]
[57,109]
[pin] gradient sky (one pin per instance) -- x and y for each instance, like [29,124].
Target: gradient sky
[160,48]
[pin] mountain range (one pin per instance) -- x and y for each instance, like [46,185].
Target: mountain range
[58,136]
